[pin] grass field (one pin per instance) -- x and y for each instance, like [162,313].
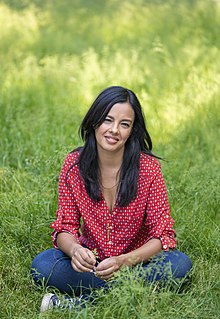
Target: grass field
[56,56]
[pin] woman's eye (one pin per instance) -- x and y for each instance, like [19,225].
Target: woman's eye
[107,120]
[124,124]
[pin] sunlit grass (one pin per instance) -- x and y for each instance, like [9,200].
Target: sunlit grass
[56,57]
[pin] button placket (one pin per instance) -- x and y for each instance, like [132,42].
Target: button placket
[109,228]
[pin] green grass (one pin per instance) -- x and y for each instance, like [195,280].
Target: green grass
[56,56]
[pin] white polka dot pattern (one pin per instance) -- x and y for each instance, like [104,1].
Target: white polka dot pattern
[126,228]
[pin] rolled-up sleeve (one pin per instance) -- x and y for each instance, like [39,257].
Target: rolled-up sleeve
[68,217]
[158,219]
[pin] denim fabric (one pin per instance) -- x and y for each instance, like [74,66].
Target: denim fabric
[53,268]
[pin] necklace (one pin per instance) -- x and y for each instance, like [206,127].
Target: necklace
[110,187]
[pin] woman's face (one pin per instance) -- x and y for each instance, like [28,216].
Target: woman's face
[113,133]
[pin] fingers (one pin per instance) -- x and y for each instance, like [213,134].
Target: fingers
[106,264]
[80,267]
[105,275]
[107,268]
[83,260]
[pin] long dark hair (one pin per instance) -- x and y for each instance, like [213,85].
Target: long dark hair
[139,141]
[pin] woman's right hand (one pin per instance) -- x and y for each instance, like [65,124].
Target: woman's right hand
[83,259]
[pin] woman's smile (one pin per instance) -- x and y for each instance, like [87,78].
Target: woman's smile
[111,139]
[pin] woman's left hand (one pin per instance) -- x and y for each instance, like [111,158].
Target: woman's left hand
[106,268]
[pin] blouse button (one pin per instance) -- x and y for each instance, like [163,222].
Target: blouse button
[113,213]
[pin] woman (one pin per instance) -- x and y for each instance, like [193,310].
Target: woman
[113,208]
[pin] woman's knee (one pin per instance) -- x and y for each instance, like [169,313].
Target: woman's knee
[168,266]
[180,263]
[176,266]
[43,264]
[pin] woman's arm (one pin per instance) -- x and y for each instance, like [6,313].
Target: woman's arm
[107,267]
[159,222]
[142,254]
[67,214]
[66,226]
[82,259]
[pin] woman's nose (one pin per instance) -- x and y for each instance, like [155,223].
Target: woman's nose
[114,128]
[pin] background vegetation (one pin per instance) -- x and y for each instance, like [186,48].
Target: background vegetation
[56,56]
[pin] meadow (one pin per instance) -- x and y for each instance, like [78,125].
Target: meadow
[56,56]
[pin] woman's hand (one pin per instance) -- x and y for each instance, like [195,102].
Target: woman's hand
[82,260]
[106,268]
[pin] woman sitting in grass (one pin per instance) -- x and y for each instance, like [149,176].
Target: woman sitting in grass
[113,208]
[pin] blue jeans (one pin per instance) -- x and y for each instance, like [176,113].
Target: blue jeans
[53,268]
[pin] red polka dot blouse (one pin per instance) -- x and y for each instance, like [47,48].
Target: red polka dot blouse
[125,228]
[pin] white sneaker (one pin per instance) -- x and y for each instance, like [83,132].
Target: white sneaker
[49,301]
